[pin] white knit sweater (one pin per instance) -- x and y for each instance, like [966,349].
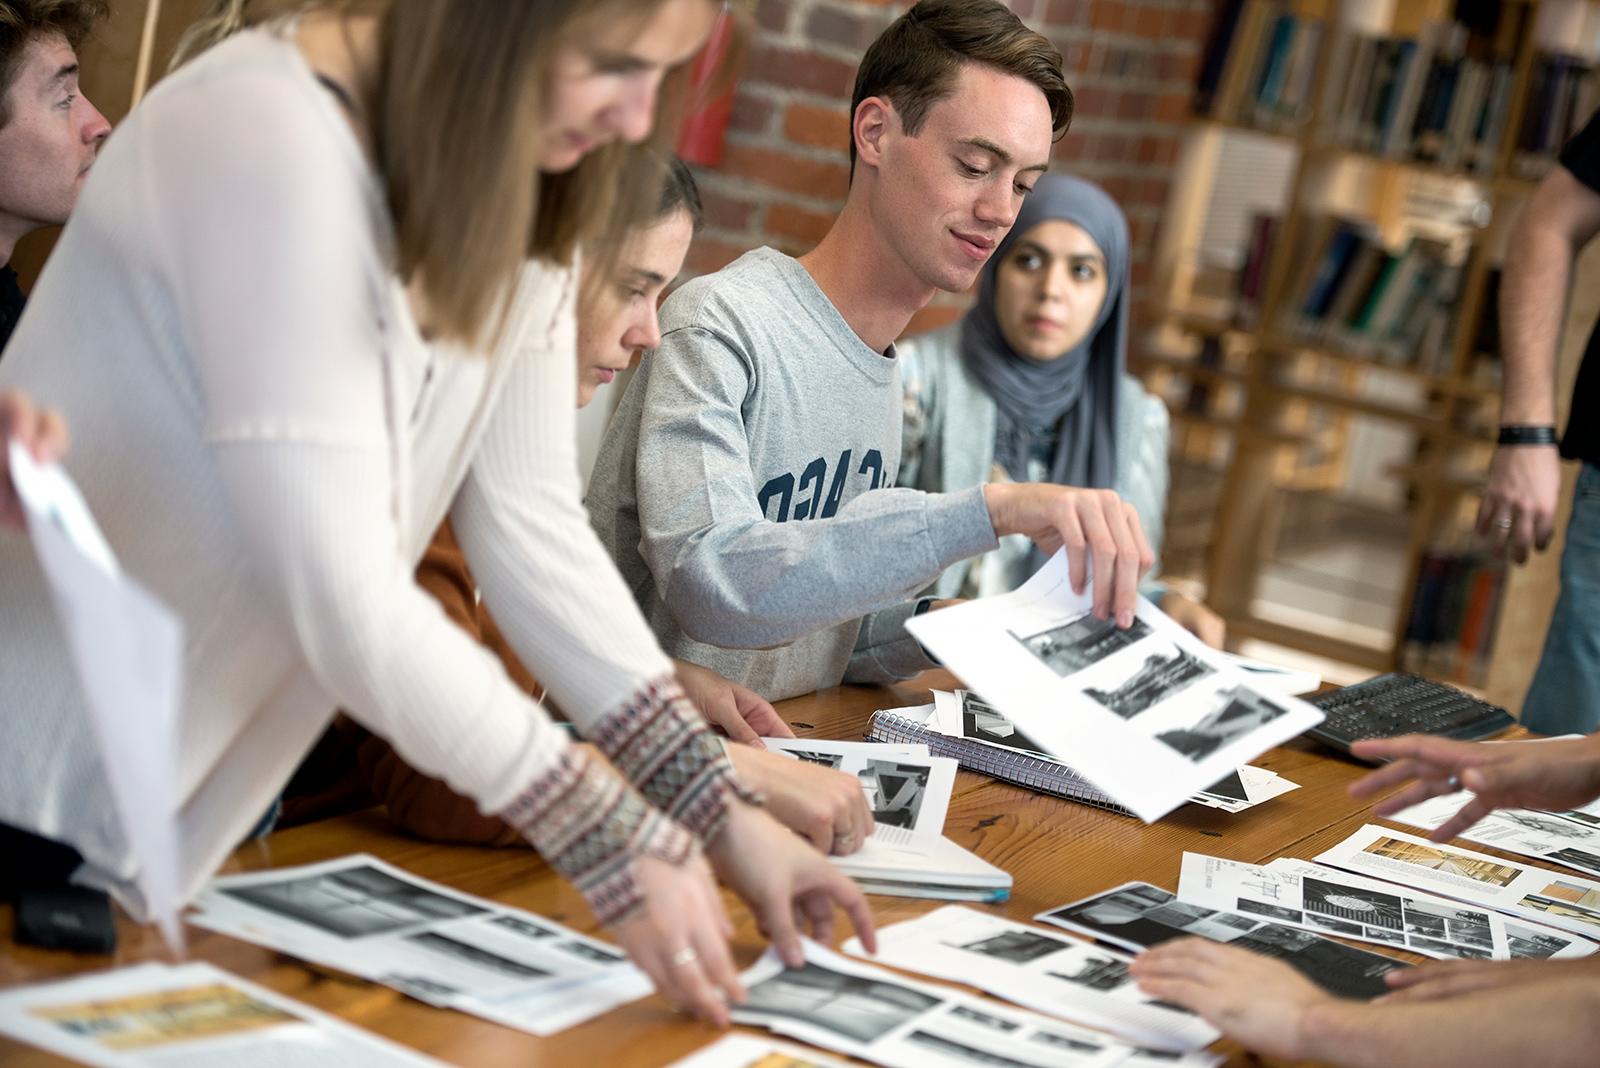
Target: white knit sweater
[268,443]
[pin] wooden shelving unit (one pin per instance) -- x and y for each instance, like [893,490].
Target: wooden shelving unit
[1273,446]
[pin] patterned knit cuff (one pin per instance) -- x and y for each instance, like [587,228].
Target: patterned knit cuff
[664,748]
[590,825]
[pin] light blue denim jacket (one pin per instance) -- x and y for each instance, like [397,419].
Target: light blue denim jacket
[947,443]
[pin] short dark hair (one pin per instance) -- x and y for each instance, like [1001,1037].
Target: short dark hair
[680,190]
[914,63]
[23,21]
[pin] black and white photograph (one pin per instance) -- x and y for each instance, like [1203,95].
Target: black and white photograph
[476,955]
[522,927]
[1383,934]
[1544,823]
[1352,904]
[1097,973]
[1453,923]
[597,954]
[827,760]
[1239,710]
[1270,911]
[353,902]
[1015,947]
[1058,1041]
[981,723]
[1581,859]
[420,987]
[1528,944]
[895,791]
[1086,640]
[983,1019]
[1341,970]
[1450,948]
[1135,917]
[950,1049]
[862,1010]
[1333,926]
[1163,673]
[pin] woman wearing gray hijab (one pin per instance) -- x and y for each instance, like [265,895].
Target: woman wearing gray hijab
[1032,386]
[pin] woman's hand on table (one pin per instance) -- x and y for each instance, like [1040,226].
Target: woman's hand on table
[679,938]
[740,713]
[828,808]
[42,432]
[1257,1001]
[1557,775]
[789,887]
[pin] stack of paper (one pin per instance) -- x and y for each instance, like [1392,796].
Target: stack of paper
[909,793]
[440,946]
[1148,713]
[1569,838]
[1299,893]
[193,1014]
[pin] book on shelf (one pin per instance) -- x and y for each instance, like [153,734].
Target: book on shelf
[1453,611]
[1260,65]
[1563,92]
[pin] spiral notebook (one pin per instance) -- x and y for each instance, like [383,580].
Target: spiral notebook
[961,726]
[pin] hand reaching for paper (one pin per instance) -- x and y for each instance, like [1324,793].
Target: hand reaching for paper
[1101,532]
[823,806]
[1557,775]
[1450,978]
[42,432]
[742,714]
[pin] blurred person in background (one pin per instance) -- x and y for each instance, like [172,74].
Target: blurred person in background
[333,260]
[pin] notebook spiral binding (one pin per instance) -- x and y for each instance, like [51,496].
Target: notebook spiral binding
[1009,765]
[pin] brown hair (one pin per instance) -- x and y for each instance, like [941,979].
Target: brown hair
[453,108]
[914,63]
[22,21]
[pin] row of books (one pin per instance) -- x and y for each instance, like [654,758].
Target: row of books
[1563,92]
[1453,611]
[1354,294]
[1261,66]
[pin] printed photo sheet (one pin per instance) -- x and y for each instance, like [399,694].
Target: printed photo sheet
[1571,839]
[1136,916]
[1149,714]
[1300,893]
[862,1011]
[436,944]
[1538,894]
[188,1016]
[908,791]
[1037,969]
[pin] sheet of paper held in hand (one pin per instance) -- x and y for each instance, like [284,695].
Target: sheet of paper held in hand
[909,791]
[440,946]
[1039,969]
[853,1008]
[1554,898]
[128,650]
[1148,714]
[188,1016]
[1300,893]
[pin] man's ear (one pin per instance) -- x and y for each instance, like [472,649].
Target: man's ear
[874,121]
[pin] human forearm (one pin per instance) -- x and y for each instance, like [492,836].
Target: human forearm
[1537,272]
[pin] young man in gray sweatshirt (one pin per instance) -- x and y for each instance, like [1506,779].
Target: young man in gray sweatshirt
[744,486]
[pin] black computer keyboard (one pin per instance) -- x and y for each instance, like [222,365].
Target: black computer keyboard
[1395,704]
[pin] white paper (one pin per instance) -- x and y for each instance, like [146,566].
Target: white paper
[1279,679]
[1538,894]
[866,1012]
[908,792]
[1148,714]
[436,944]
[1038,969]
[188,1016]
[127,648]
[748,1051]
[1571,839]
[1299,893]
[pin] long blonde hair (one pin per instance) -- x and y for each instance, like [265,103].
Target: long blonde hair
[454,112]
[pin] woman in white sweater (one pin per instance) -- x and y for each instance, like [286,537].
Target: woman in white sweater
[316,296]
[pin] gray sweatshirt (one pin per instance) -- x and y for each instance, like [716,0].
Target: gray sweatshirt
[744,489]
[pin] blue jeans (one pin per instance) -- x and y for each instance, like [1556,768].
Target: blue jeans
[1565,695]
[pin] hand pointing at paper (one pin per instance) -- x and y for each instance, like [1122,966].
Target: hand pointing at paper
[42,433]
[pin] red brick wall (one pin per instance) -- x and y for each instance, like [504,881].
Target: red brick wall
[785,164]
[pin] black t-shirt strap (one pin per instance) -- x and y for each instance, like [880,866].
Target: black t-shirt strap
[1581,155]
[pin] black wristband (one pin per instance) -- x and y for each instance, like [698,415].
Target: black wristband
[1527,435]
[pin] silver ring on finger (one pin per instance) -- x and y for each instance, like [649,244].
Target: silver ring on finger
[684,957]
[1454,782]
[1503,522]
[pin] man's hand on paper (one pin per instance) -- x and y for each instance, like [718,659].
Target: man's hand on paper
[742,714]
[680,938]
[42,432]
[1099,529]
[785,883]
[1556,775]
[826,807]
[1259,1002]
[1518,513]
[1449,978]
[1194,617]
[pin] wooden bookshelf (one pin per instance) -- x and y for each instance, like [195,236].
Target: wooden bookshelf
[1273,446]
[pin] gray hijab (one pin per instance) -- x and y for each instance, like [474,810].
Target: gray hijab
[1074,397]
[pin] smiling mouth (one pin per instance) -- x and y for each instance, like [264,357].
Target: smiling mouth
[976,246]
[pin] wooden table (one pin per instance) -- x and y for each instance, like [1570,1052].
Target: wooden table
[1057,851]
